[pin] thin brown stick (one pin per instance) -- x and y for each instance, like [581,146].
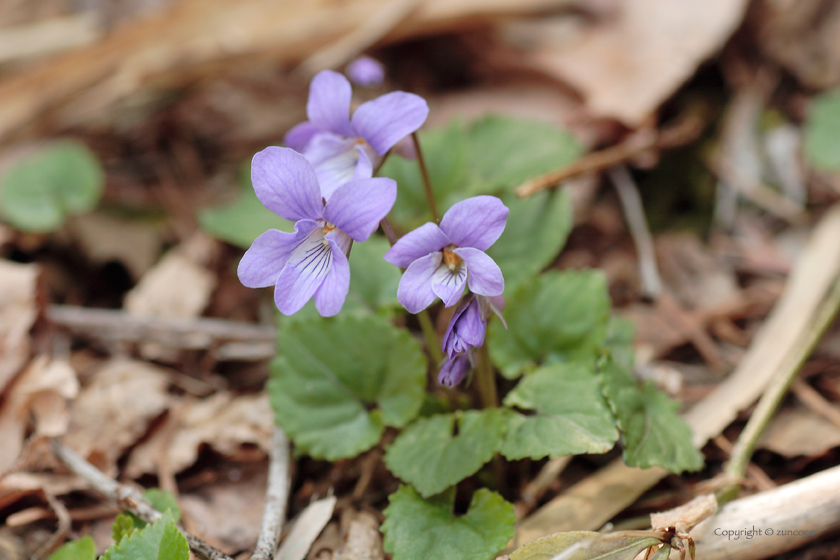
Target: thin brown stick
[276,498]
[127,498]
[685,130]
[388,230]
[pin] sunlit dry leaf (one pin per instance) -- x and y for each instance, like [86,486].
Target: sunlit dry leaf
[685,517]
[223,421]
[363,540]
[628,65]
[17,313]
[114,410]
[305,530]
[41,390]
[798,431]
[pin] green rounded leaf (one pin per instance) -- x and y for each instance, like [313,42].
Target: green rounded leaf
[418,529]
[822,131]
[38,191]
[430,455]
[241,221]
[654,433]
[338,382]
[159,541]
[82,549]
[536,230]
[506,151]
[558,316]
[572,417]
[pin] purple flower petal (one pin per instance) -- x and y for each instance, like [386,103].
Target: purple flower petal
[286,184]
[466,329]
[262,262]
[485,276]
[364,167]
[299,136]
[328,106]
[329,299]
[476,222]
[454,370]
[448,285]
[426,239]
[385,120]
[366,72]
[415,289]
[334,159]
[305,271]
[358,206]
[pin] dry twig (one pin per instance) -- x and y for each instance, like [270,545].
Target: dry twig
[276,498]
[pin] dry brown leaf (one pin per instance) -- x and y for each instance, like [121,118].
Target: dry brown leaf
[798,431]
[178,286]
[697,278]
[685,517]
[228,513]
[17,313]
[114,410]
[106,238]
[305,529]
[41,390]
[627,65]
[222,421]
[364,541]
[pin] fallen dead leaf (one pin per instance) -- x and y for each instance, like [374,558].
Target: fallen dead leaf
[228,512]
[223,421]
[17,313]
[363,539]
[40,391]
[798,431]
[627,65]
[697,278]
[17,485]
[114,410]
[305,529]
[685,517]
[106,238]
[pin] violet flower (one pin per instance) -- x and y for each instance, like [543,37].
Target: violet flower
[366,72]
[468,325]
[454,370]
[312,261]
[342,148]
[439,261]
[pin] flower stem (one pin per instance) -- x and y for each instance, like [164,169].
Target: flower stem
[430,334]
[779,384]
[424,172]
[486,380]
[388,231]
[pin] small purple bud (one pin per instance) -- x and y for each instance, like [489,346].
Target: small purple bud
[366,72]
[454,370]
[466,329]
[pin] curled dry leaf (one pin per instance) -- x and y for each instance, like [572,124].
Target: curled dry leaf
[115,409]
[223,421]
[628,65]
[685,517]
[17,313]
[40,391]
[798,431]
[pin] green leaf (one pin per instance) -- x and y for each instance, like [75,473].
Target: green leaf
[621,332]
[537,229]
[243,220]
[429,454]
[337,383]
[417,529]
[123,525]
[572,417]
[173,544]
[822,131]
[654,433]
[588,545]
[82,549]
[446,154]
[506,151]
[153,542]
[38,191]
[163,501]
[373,281]
[557,316]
